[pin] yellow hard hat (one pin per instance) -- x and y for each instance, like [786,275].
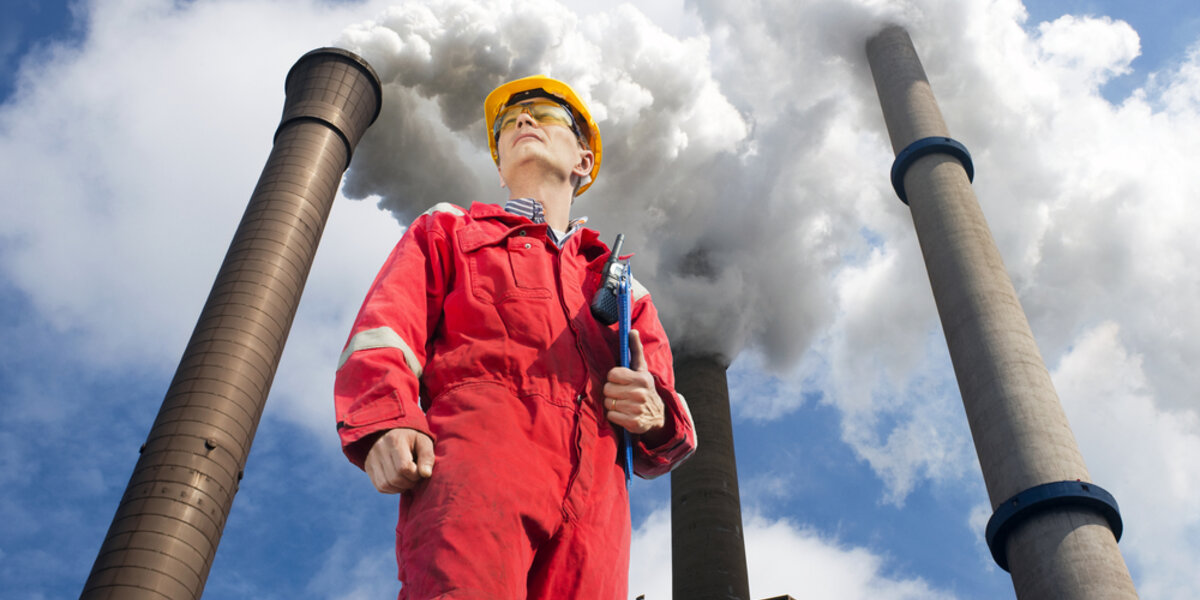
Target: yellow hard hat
[500,97]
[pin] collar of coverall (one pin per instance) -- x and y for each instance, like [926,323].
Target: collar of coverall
[536,212]
[589,239]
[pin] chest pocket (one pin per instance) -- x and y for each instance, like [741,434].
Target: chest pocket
[506,265]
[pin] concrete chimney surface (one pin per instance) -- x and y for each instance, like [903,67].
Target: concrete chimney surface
[1020,431]
[1014,410]
[166,529]
[912,112]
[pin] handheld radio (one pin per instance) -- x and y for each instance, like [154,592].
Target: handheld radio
[612,304]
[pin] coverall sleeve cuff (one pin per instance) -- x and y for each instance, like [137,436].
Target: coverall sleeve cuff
[679,438]
[357,441]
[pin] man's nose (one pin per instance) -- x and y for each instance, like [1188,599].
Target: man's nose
[526,118]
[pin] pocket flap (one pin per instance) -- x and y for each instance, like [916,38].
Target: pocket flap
[479,235]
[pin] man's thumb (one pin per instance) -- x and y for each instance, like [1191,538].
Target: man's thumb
[637,357]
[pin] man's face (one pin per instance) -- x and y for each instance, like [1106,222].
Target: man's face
[546,141]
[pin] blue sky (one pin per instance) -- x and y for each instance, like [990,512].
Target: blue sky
[131,135]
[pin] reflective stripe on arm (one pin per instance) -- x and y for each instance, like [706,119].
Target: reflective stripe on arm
[445,207]
[381,337]
[687,412]
[639,290]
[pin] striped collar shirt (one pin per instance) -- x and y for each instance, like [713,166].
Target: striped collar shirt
[532,210]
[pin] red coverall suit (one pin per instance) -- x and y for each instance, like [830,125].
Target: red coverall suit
[477,331]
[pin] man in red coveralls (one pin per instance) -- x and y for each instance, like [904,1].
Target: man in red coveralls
[477,384]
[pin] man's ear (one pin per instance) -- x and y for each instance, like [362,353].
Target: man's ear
[501,175]
[586,159]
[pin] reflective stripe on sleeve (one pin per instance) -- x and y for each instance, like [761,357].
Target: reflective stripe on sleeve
[639,290]
[381,337]
[687,411]
[445,207]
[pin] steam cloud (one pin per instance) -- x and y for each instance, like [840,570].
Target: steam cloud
[735,250]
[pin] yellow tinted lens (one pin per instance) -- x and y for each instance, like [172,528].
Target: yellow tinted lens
[545,112]
[506,119]
[551,114]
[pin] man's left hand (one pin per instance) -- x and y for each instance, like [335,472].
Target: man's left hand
[630,397]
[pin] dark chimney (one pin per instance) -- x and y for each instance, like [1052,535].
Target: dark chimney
[708,552]
[165,533]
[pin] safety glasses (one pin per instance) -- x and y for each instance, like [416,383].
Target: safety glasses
[544,111]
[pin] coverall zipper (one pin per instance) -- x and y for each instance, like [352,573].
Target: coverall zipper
[580,397]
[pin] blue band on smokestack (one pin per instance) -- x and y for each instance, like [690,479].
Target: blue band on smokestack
[1075,494]
[924,147]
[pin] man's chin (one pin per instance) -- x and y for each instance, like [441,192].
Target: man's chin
[526,155]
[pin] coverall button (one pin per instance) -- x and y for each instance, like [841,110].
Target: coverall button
[522,233]
[528,246]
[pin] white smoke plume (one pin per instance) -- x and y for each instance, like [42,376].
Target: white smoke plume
[722,237]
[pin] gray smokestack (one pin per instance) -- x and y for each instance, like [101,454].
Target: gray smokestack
[708,552]
[1052,530]
[165,533]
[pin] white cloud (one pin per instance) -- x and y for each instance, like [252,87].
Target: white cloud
[650,557]
[782,558]
[799,561]
[1182,85]
[351,572]
[890,377]
[1088,49]
[135,155]
[1141,452]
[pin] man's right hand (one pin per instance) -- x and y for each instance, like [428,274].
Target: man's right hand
[399,459]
